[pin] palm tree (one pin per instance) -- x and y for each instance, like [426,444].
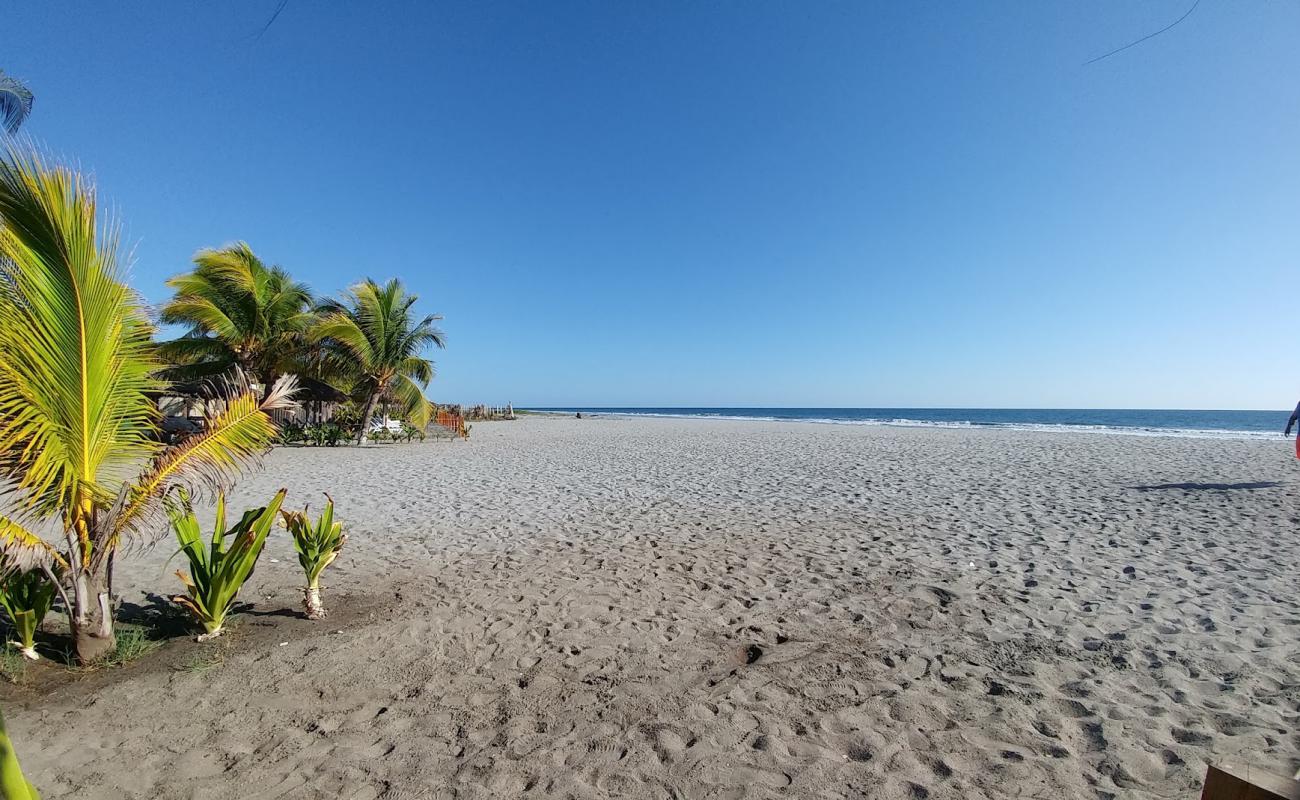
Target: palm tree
[79,452]
[376,337]
[240,312]
[15,102]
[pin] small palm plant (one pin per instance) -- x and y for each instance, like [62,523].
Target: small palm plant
[219,568]
[27,597]
[79,444]
[318,544]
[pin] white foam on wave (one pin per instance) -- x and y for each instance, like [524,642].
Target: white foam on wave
[1041,427]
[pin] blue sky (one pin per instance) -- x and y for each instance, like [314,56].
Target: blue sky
[766,204]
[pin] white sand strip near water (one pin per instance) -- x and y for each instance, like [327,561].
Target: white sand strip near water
[657,608]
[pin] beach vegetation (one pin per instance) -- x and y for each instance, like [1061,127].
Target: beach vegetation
[240,313]
[133,642]
[201,662]
[79,438]
[374,335]
[13,664]
[292,433]
[27,597]
[219,566]
[317,544]
[347,416]
[325,434]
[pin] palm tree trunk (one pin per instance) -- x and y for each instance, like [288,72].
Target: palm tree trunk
[365,416]
[311,601]
[92,619]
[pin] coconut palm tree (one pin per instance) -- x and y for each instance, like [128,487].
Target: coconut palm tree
[240,313]
[375,336]
[79,454]
[15,102]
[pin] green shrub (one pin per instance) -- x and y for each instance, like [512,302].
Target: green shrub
[315,434]
[347,417]
[318,544]
[27,597]
[219,568]
[325,434]
[334,434]
[291,433]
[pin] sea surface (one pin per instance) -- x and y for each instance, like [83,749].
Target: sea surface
[1138,422]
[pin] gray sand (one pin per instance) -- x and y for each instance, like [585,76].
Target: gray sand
[686,608]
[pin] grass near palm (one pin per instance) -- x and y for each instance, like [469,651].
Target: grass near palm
[219,567]
[318,544]
[132,642]
[77,420]
[375,336]
[13,664]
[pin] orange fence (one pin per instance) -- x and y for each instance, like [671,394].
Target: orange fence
[452,422]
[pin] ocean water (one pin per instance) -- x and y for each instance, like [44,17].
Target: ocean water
[1139,422]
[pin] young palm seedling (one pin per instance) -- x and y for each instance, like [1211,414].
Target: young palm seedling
[219,568]
[27,597]
[318,544]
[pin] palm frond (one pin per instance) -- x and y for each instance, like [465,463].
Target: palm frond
[373,337]
[201,314]
[75,352]
[22,550]
[237,431]
[416,368]
[341,329]
[15,103]
[257,313]
[410,398]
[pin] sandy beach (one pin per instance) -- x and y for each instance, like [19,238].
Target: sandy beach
[654,608]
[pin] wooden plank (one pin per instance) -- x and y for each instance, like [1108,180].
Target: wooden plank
[1238,782]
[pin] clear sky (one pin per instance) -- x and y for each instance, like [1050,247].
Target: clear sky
[727,203]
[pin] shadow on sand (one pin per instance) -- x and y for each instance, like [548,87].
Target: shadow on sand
[1202,487]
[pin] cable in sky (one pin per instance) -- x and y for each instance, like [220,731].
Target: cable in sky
[271,21]
[1144,38]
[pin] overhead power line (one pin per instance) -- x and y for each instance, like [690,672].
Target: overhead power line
[1144,38]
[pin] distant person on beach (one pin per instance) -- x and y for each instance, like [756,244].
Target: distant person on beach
[1294,416]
